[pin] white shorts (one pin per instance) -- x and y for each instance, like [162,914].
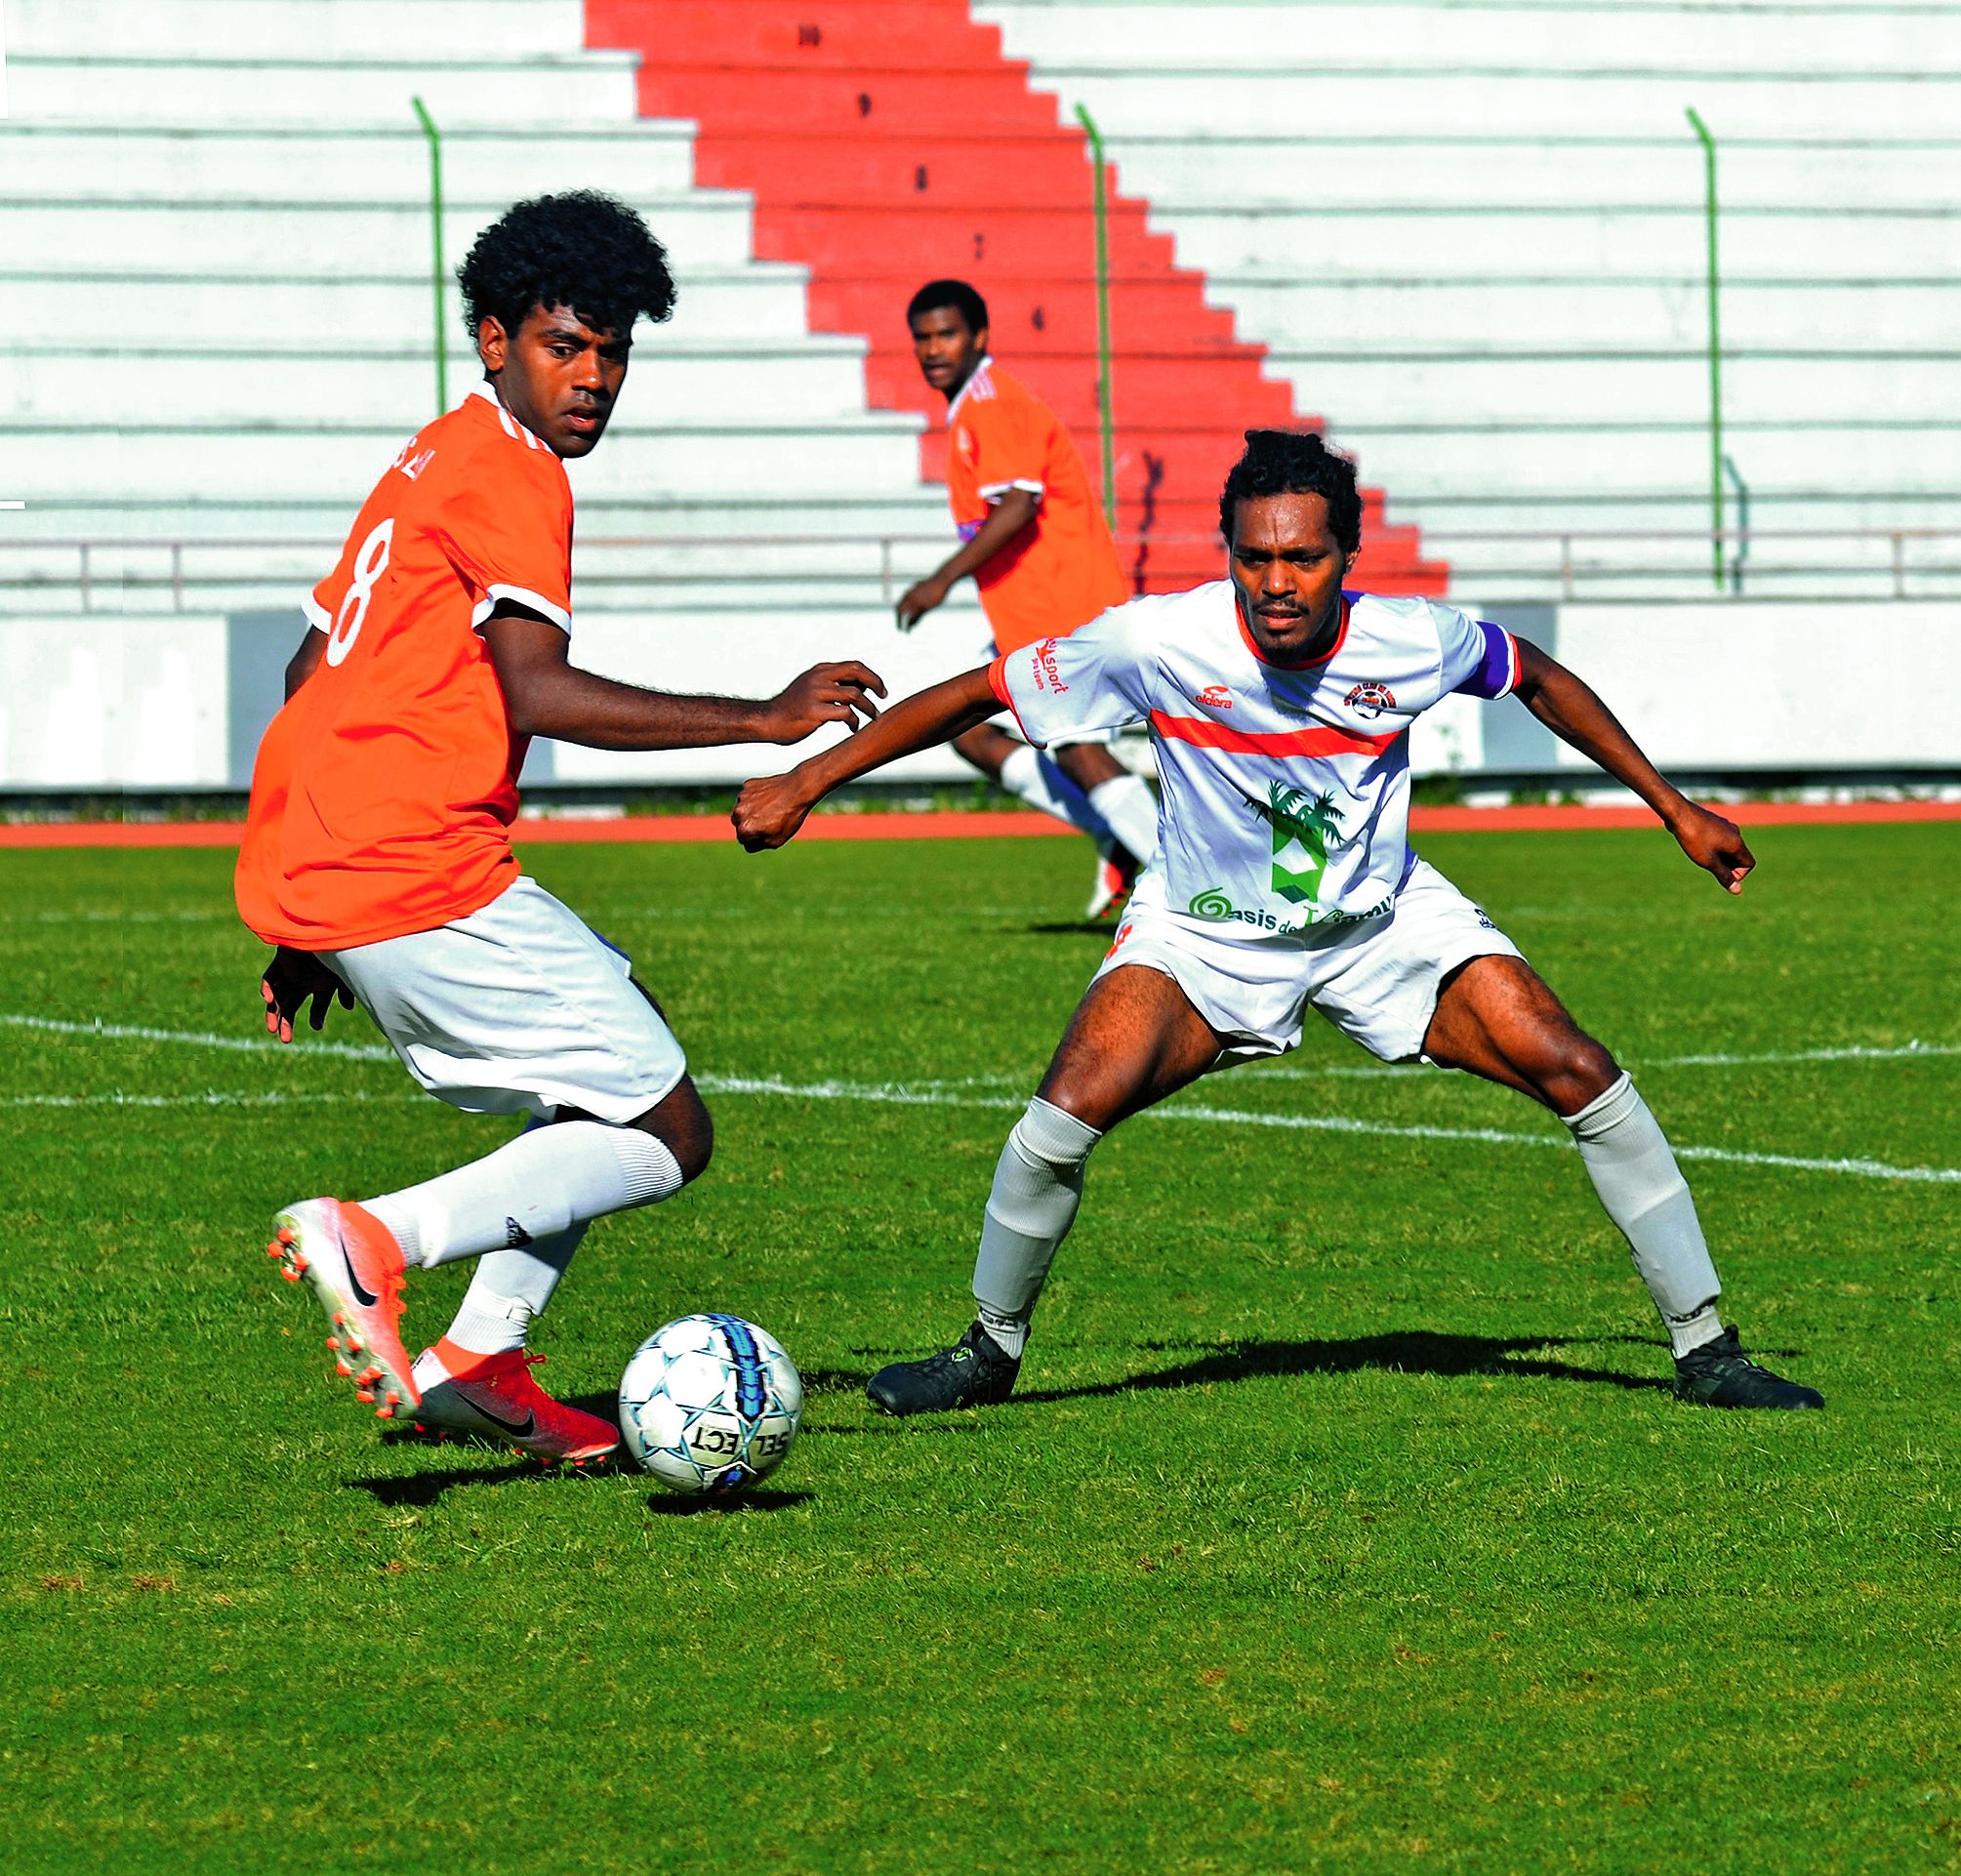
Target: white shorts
[518,1008]
[1375,982]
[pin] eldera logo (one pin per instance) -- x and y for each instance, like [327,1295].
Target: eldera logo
[1047,676]
[1214,697]
[1370,699]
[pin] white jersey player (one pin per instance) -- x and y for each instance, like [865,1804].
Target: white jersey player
[1279,707]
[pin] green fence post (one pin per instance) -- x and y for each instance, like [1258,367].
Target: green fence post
[1715,348]
[435,137]
[1104,398]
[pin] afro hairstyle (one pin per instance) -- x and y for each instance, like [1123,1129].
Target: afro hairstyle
[582,250]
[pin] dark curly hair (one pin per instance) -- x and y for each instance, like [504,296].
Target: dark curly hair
[1295,462]
[583,250]
[957,294]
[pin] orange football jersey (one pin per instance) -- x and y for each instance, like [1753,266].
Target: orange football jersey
[384,792]
[1060,571]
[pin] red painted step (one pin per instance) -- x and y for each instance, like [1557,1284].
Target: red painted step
[885,145]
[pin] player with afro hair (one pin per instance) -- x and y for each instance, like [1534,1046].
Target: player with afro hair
[378,862]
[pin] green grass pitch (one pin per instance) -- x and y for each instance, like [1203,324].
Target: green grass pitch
[1343,1522]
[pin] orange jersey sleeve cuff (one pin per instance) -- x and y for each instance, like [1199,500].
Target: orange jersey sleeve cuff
[996,677]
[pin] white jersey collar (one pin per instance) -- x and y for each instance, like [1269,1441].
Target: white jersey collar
[512,429]
[960,396]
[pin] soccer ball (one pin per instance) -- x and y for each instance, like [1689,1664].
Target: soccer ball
[710,1404]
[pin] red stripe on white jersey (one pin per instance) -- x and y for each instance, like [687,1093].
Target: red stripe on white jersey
[1321,740]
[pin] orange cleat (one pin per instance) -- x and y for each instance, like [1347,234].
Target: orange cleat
[355,1267]
[495,1398]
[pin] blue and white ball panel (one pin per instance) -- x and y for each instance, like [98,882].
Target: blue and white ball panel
[710,1404]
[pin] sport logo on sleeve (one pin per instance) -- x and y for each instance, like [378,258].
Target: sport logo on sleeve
[1047,676]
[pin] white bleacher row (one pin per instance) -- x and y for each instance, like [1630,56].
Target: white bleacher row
[1504,316]
[238,197]
[297,28]
[1477,247]
[1827,40]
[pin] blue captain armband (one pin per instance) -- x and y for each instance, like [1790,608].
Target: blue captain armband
[1497,671]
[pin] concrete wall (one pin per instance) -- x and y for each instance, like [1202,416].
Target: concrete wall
[178,702]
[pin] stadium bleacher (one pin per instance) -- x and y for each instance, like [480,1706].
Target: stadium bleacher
[1473,234]
[1470,236]
[239,194]
[888,144]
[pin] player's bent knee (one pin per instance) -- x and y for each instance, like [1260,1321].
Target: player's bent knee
[1575,1070]
[683,1124]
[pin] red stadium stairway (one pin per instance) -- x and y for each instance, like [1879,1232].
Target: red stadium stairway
[889,141]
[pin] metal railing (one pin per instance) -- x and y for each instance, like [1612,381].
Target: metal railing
[1568,558]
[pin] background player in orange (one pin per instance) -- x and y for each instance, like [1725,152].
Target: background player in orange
[376,853]
[1035,542]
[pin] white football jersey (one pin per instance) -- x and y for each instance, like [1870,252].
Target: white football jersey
[1285,791]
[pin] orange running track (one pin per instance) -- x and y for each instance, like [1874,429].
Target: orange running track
[956,825]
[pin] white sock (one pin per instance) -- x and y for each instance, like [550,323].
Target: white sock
[508,1289]
[530,1189]
[1038,1184]
[1641,1187]
[1029,774]
[1126,803]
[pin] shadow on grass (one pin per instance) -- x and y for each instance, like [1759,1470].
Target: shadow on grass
[676,1504]
[1417,1350]
[423,1488]
[1070,927]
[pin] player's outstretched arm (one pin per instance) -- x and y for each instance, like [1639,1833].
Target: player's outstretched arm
[547,695]
[1011,514]
[1569,708]
[771,809]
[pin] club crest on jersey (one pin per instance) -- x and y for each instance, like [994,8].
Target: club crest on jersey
[1047,676]
[964,442]
[1215,696]
[1370,699]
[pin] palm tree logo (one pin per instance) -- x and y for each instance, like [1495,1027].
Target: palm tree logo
[1303,827]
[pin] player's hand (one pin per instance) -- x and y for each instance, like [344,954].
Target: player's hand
[293,981]
[824,694]
[920,599]
[1715,844]
[768,811]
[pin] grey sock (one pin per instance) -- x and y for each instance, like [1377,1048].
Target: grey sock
[1038,1184]
[1641,1187]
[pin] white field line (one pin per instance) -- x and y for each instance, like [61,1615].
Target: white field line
[202,1038]
[1854,1052]
[210,1098]
[948,1095]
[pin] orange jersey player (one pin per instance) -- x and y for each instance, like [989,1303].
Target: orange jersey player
[1035,542]
[377,854]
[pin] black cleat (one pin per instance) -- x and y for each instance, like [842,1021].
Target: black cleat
[976,1371]
[1720,1375]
